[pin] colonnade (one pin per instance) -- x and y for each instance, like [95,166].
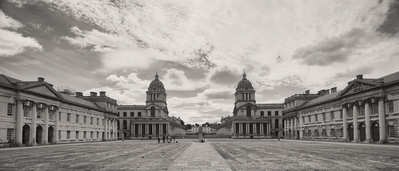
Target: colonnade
[255,128]
[146,129]
[110,129]
[290,127]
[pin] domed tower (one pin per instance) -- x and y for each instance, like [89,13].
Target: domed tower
[245,96]
[156,93]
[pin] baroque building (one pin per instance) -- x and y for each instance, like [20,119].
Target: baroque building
[150,120]
[252,120]
[33,112]
[366,110]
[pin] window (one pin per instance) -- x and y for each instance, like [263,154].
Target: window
[262,113]
[84,134]
[316,119]
[374,108]
[68,118]
[324,116]
[324,133]
[98,134]
[91,120]
[68,135]
[131,113]
[84,119]
[340,114]
[9,109]
[98,121]
[91,135]
[269,113]
[350,112]
[332,115]
[77,118]
[51,114]
[390,106]
[59,116]
[248,110]
[391,131]
[332,132]
[26,111]
[10,132]
[310,118]
[139,114]
[124,124]
[77,135]
[152,111]
[361,111]
[124,114]
[59,135]
[119,114]
[276,113]
[303,119]
[39,113]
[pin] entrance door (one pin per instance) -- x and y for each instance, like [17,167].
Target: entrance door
[362,130]
[297,135]
[25,134]
[50,134]
[350,132]
[375,132]
[39,133]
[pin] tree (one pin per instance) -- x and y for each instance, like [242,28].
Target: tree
[188,126]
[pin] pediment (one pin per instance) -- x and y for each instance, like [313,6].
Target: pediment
[43,90]
[356,87]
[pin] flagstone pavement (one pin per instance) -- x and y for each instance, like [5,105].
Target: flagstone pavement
[200,157]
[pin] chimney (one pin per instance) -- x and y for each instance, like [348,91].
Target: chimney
[333,90]
[79,94]
[40,79]
[102,93]
[93,94]
[307,92]
[359,77]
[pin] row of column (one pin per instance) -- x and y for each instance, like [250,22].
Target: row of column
[263,129]
[163,129]
[32,137]
[290,127]
[110,129]
[355,108]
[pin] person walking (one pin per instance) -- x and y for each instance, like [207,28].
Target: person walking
[163,139]
[159,140]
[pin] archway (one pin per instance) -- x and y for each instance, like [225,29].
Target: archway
[362,131]
[375,132]
[25,134]
[309,133]
[50,134]
[248,110]
[350,132]
[39,134]
[316,132]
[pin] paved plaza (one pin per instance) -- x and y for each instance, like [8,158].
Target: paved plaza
[215,154]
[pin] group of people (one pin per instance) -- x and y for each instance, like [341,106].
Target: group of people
[11,142]
[173,138]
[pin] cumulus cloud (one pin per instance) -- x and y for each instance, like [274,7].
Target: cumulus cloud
[175,79]
[224,75]
[331,49]
[11,42]
[351,73]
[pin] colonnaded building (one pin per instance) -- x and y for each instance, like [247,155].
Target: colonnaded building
[367,110]
[33,112]
[251,120]
[152,119]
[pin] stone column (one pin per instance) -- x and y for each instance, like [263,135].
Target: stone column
[57,124]
[254,129]
[247,130]
[381,119]
[105,129]
[18,126]
[45,129]
[33,127]
[133,130]
[344,124]
[300,134]
[367,121]
[355,124]
[140,128]
[285,128]
[233,128]
[240,128]
[269,130]
[295,128]
[292,128]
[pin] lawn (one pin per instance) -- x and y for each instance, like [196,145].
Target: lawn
[239,154]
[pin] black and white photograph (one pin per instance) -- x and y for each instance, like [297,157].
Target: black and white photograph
[199,85]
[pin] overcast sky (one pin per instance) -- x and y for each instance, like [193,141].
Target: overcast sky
[199,48]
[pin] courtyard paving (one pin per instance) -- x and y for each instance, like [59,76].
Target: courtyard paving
[215,154]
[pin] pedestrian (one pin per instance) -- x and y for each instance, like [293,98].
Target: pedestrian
[10,142]
[159,140]
[163,139]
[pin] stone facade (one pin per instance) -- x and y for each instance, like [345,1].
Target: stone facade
[366,110]
[33,112]
[150,120]
[251,120]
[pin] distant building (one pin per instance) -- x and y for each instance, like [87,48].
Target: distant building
[205,129]
[249,119]
[33,112]
[152,119]
[367,110]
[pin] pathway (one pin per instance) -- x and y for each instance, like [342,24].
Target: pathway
[200,157]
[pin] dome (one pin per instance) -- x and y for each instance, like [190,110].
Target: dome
[156,84]
[244,84]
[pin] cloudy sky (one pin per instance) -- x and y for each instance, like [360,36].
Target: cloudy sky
[199,48]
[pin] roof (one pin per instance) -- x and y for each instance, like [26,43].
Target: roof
[73,99]
[244,84]
[8,80]
[271,106]
[156,84]
[391,77]
[321,99]
[131,107]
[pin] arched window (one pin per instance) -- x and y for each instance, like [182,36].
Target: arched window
[117,124]
[276,125]
[248,110]
[124,124]
[152,111]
